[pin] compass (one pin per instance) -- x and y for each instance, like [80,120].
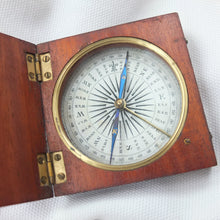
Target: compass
[120,103]
[100,109]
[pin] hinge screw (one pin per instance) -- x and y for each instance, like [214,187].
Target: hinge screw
[43,180]
[187,141]
[30,59]
[57,157]
[41,160]
[47,75]
[31,75]
[46,59]
[61,176]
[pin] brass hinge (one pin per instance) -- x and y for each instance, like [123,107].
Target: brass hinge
[39,67]
[51,168]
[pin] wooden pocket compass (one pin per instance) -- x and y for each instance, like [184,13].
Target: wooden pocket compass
[100,109]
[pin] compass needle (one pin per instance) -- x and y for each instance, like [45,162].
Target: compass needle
[114,133]
[148,122]
[123,78]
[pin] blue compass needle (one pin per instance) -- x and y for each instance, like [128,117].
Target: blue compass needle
[121,89]
[114,132]
[123,78]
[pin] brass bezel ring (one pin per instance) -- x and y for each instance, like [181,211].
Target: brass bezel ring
[82,53]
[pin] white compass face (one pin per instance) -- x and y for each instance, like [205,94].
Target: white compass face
[147,119]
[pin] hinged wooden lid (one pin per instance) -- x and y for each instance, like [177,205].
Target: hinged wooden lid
[22,127]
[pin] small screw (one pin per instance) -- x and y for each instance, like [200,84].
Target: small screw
[30,59]
[61,176]
[47,75]
[187,141]
[57,157]
[31,75]
[41,160]
[43,180]
[46,59]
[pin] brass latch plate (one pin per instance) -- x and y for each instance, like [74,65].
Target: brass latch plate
[51,168]
[39,67]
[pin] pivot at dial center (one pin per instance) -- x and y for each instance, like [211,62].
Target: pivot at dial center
[120,103]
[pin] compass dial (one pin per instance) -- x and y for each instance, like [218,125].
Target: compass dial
[121,105]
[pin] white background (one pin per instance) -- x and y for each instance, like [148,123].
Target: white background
[194,195]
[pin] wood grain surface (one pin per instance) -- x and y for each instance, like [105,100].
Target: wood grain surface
[21,126]
[165,32]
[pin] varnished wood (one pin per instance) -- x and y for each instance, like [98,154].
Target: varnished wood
[165,32]
[21,126]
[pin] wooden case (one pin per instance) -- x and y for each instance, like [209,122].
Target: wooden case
[22,121]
